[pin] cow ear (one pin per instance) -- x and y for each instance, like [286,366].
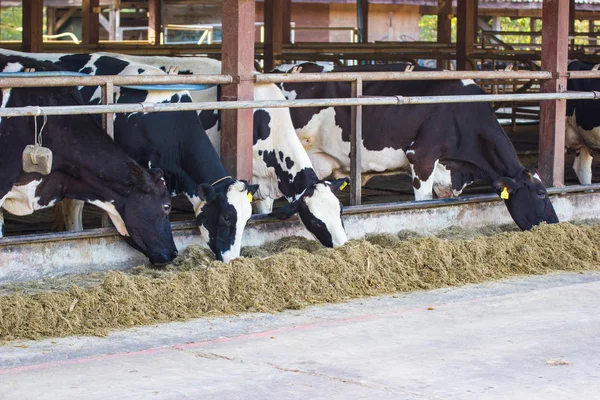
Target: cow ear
[156,173]
[505,183]
[206,192]
[252,189]
[339,184]
[286,211]
[135,169]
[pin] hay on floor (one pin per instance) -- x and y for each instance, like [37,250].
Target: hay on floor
[300,273]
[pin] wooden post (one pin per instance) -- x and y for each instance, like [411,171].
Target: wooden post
[287,21]
[273,32]
[33,20]
[555,44]
[591,29]
[444,28]
[155,21]
[90,21]
[532,28]
[572,20]
[465,33]
[50,20]
[238,60]
[362,19]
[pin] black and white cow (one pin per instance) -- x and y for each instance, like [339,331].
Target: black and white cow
[445,147]
[86,165]
[175,142]
[281,166]
[583,123]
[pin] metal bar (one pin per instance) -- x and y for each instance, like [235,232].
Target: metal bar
[401,76]
[583,74]
[273,44]
[341,102]
[356,146]
[124,80]
[109,127]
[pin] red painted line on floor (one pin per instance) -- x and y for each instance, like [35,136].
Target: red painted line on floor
[204,343]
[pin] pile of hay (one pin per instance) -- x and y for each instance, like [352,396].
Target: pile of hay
[299,274]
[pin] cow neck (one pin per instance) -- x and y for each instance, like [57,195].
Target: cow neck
[222,184]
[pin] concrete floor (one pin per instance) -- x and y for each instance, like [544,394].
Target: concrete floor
[529,338]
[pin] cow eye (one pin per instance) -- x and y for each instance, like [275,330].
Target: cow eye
[167,208]
[226,220]
[541,194]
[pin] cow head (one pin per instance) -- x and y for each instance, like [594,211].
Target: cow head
[526,199]
[222,214]
[143,216]
[320,212]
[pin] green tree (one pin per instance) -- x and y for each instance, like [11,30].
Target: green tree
[11,23]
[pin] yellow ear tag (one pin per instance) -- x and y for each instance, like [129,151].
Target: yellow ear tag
[504,194]
[250,197]
[343,185]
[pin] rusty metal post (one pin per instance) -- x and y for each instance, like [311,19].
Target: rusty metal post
[33,19]
[362,13]
[154,21]
[273,32]
[555,44]
[109,127]
[287,22]
[90,21]
[444,28]
[238,61]
[465,33]
[356,146]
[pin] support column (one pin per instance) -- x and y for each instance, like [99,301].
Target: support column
[50,20]
[572,20]
[591,29]
[532,28]
[154,21]
[238,60]
[33,19]
[555,43]
[465,34]
[444,28]
[90,21]
[273,32]
[287,21]
[362,19]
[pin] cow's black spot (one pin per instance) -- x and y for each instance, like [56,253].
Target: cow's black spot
[74,62]
[262,119]
[289,163]
[416,183]
[281,156]
[86,70]
[260,152]
[109,66]
[141,70]
[209,118]
[289,184]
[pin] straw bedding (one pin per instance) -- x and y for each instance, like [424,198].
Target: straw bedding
[289,274]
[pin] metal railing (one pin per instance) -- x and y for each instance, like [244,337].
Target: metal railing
[356,101]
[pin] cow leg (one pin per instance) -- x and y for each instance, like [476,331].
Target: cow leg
[442,182]
[583,165]
[73,214]
[323,164]
[423,188]
[1,223]
[262,206]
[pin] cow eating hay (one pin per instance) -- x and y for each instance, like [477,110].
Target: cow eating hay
[197,286]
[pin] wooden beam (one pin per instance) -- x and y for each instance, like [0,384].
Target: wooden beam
[465,33]
[592,41]
[33,20]
[287,21]
[273,32]
[555,44]
[90,21]
[362,8]
[64,18]
[154,21]
[238,60]
[444,27]
[50,20]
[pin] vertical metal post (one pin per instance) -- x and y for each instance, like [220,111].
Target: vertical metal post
[356,146]
[273,32]
[555,44]
[109,127]
[238,61]
[465,33]
[362,16]
[33,19]
[444,28]
[90,21]
[154,21]
[287,22]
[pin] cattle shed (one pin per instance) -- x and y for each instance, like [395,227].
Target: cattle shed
[466,37]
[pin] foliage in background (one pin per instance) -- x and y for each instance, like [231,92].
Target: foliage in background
[11,22]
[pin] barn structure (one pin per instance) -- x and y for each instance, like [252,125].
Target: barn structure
[339,31]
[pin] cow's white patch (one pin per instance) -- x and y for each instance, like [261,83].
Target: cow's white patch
[410,152]
[289,94]
[264,206]
[13,67]
[326,207]
[579,138]
[424,191]
[237,196]
[73,214]
[114,215]
[5,97]
[21,200]
[583,165]
[467,82]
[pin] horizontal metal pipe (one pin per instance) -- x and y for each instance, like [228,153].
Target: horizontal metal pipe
[401,76]
[231,105]
[584,74]
[119,80]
